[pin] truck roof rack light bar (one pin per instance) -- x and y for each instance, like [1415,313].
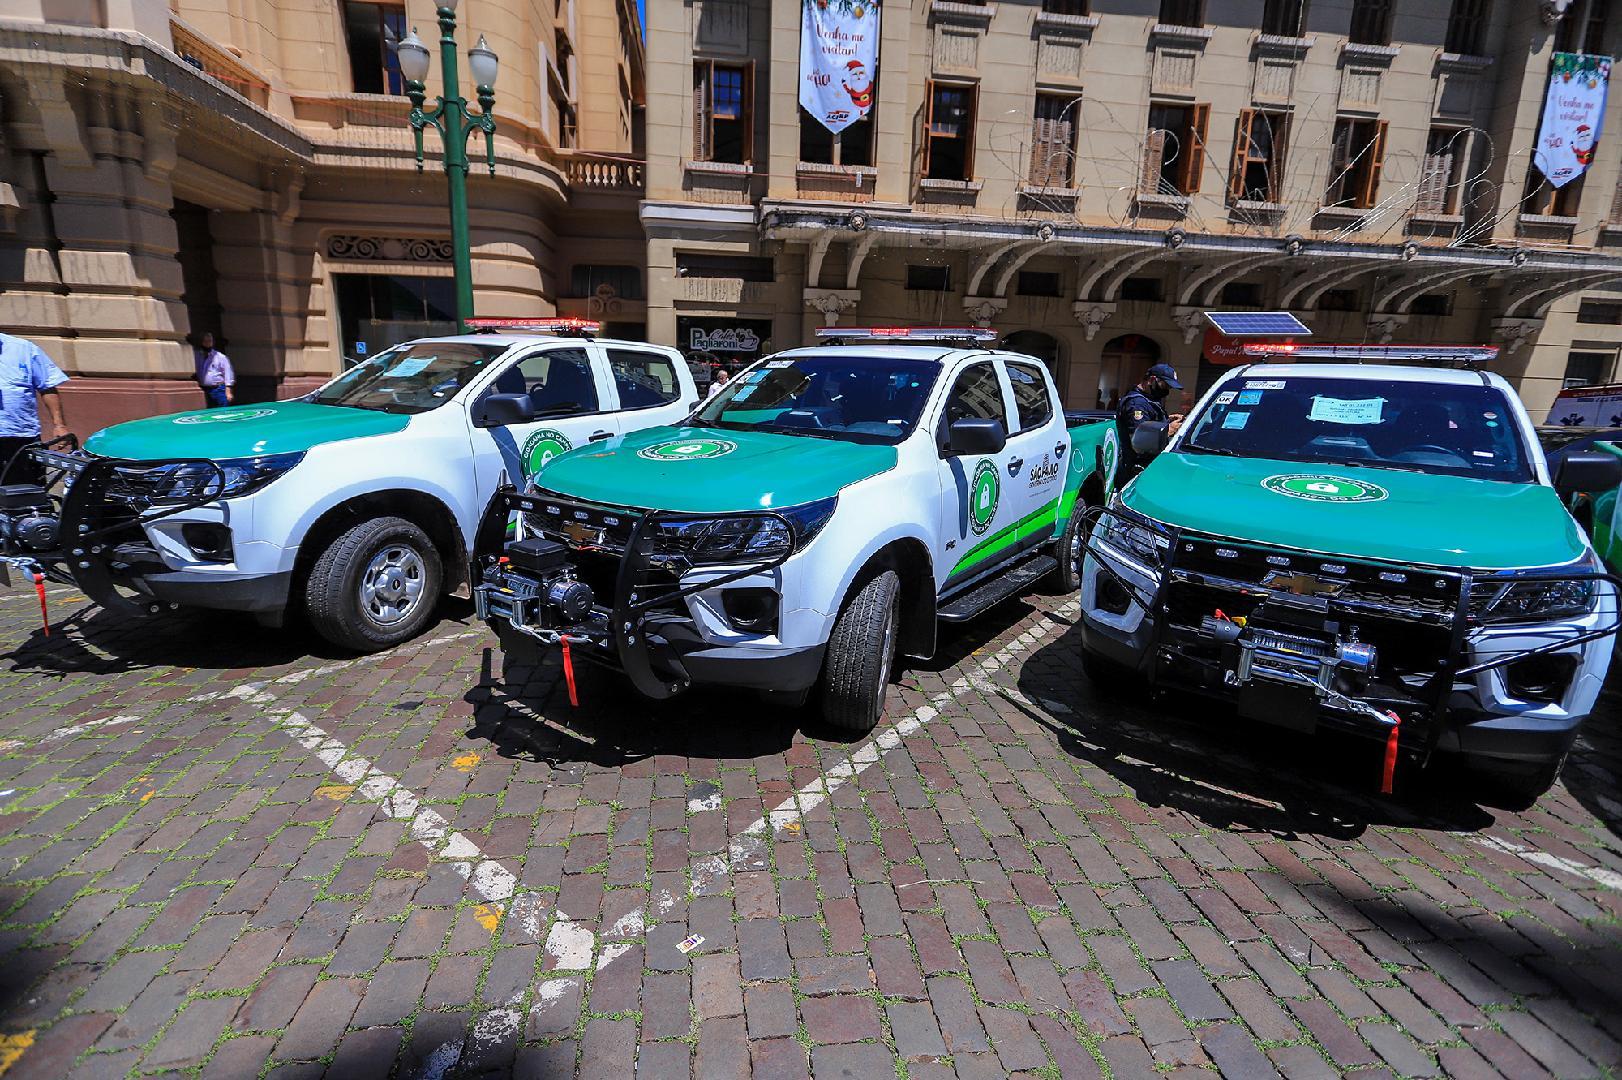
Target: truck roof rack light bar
[561,325]
[1439,355]
[977,334]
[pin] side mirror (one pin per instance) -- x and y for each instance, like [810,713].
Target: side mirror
[500,410]
[976,436]
[1588,470]
[1149,438]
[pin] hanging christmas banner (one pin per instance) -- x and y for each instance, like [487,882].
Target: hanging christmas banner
[1572,113]
[839,51]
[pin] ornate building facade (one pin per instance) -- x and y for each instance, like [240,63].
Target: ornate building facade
[1089,177]
[246,168]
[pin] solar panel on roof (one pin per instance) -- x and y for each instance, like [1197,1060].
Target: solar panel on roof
[1257,324]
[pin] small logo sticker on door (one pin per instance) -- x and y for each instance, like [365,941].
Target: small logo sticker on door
[687,449]
[541,447]
[1316,487]
[983,495]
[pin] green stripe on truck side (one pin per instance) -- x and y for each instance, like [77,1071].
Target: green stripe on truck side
[1005,536]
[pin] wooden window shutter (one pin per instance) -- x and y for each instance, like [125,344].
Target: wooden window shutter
[701,110]
[1154,152]
[1281,153]
[1041,150]
[1062,169]
[1433,183]
[1241,153]
[927,135]
[1193,163]
[747,109]
[1371,175]
[973,93]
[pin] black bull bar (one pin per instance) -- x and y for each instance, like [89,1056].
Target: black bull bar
[646,629]
[1429,710]
[82,525]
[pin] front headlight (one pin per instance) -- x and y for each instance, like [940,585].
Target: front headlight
[189,481]
[739,538]
[1132,540]
[1512,599]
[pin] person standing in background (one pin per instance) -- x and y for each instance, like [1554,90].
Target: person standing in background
[27,378]
[214,373]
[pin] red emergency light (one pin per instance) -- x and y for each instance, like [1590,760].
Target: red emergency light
[906,333]
[561,325]
[1463,355]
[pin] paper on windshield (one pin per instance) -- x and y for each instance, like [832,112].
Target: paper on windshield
[1346,410]
[412,366]
[1236,421]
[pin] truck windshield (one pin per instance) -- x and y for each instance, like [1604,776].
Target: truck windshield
[851,398]
[1421,427]
[409,378]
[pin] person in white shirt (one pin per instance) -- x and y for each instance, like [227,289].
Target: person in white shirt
[215,374]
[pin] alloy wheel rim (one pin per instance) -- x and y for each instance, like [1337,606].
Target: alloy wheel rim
[391,586]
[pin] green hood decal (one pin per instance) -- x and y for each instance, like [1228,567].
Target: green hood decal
[706,470]
[241,431]
[1405,517]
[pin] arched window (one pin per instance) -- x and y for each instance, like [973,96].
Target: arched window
[1123,363]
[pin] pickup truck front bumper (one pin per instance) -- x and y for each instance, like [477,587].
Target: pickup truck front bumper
[1305,641]
[597,579]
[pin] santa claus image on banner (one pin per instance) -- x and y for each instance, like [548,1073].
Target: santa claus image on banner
[858,86]
[1582,145]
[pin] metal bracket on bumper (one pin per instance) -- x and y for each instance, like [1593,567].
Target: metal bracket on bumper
[83,525]
[639,632]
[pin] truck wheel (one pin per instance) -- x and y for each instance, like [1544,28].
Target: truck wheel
[374,586]
[1068,549]
[860,653]
[1515,787]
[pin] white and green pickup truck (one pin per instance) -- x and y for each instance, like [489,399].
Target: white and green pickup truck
[1376,548]
[356,504]
[809,523]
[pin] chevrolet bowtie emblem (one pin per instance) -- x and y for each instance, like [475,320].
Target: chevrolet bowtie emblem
[1302,584]
[582,535]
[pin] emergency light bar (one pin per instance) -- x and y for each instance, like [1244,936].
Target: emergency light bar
[562,325]
[906,333]
[1455,355]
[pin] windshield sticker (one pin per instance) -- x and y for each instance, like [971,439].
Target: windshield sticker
[983,495]
[408,367]
[1226,397]
[1483,453]
[687,449]
[541,447]
[1236,421]
[778,365]
[1346,410]
[1315,487]
[1267,384]
[743,393]
[228,416]
[1250,397]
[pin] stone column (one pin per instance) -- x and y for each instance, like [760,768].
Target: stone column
[264,290]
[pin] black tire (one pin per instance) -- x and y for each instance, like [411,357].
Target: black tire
[333,592]
[861,652]
[1068,549]
[1516,786]
[1110,680]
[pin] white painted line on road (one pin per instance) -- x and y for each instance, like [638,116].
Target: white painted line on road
[1609,879]
[90,725]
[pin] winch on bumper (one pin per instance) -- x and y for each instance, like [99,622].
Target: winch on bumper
[1500,666]
[611,582]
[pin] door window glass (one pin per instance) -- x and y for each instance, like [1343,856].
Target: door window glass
[644,379]
[559,382]
[1030,396]
[977,395]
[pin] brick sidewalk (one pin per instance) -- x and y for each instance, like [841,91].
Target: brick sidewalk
[267,862]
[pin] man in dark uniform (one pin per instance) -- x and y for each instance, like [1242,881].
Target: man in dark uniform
[1143,402]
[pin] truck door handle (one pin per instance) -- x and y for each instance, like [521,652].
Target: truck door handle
[1015,465]
[1059,449]
[599,436]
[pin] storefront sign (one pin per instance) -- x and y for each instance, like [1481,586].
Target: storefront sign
[839,50]
[1223,350]
[1572,113]
[732,340]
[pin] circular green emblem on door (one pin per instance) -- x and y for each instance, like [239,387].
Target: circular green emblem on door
[224,416]
[687,449]
[1316,487]
[1109,455]
[541,447]
[983,493]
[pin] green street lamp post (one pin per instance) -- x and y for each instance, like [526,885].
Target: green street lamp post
[456,125]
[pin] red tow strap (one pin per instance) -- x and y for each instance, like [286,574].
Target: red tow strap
[44,615]
[568,674]
[1390,754]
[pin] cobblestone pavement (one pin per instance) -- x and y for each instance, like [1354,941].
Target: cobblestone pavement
[226,851]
